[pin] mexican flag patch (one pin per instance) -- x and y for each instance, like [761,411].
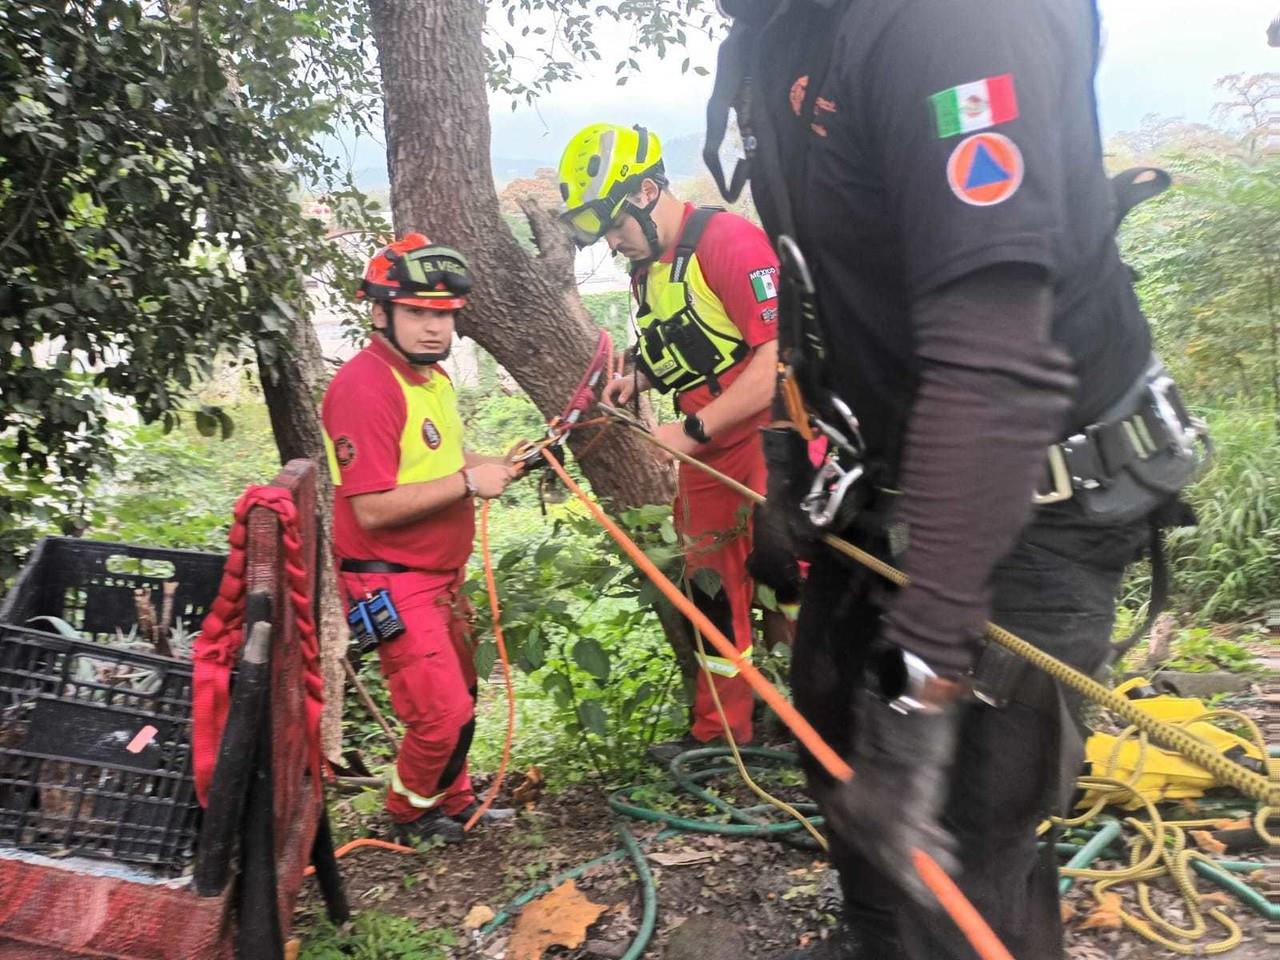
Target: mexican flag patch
[974,106]
[764,284]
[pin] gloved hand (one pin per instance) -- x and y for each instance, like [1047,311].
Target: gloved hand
[774,558]
[893,803]
[790,473]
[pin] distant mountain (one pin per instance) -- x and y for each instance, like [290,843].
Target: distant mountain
[683,155]
[517,168]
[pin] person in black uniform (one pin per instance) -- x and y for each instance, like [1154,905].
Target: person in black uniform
[940,166]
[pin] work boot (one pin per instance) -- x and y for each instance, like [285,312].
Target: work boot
[663,753]
[428,826]
[492,815]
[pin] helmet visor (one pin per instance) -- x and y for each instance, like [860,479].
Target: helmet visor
[589,222]
[432,272]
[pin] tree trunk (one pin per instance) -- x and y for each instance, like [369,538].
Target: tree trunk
[525,310]
[292,387]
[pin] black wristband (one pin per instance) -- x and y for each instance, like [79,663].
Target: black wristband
[694,430]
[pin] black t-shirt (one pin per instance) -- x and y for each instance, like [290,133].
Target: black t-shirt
[946,136]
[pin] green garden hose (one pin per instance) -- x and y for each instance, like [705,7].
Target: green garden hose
[1242,891]
[648,894]
[1091,851]
[750,822]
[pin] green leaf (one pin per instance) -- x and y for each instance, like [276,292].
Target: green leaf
[560,688]
[133,93]
[533,650]
[206,423]
[485,657]
[592,718]
[591,657]
[707,580]
[547,551]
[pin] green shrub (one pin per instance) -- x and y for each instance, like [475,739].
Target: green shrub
[1229,565]
[376,936]
[600,681]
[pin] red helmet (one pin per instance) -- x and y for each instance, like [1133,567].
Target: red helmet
[415,271]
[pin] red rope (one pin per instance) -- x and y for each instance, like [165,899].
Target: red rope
[222,635]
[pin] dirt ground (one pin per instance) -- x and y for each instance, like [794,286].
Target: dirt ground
[773,895]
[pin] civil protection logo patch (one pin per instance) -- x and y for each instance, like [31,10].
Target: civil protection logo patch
[430,433]
[985,169]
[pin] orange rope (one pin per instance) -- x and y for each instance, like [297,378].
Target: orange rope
[789,715]
[950,897]
[506,668]
[346,848]
[958,907]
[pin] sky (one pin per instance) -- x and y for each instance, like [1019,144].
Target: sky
[1160,56]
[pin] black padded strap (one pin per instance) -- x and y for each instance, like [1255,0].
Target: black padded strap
[1159,592]
[1137,185]
[688,243]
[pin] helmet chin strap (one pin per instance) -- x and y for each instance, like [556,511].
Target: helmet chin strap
[644,217]
[417,359]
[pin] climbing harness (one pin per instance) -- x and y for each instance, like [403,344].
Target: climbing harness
[680,346]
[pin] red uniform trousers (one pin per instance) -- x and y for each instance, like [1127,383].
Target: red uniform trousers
[431,677]
[715,526]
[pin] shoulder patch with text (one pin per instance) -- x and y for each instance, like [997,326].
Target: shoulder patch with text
[764,283]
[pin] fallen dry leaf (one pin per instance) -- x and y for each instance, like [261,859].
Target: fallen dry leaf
[1106,915]
[1068,911]
[1207,841]
[291,949]
[1243,824]
[1215,899]
[530,788]
[682,859]
[559,918]
[478,916]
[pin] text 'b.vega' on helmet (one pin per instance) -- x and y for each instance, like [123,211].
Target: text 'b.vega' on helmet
[601,167]
[419,273]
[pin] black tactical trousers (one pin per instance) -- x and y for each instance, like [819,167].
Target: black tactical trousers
[1014,763]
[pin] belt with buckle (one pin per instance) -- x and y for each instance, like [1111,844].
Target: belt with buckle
[372,566]
[1156,422]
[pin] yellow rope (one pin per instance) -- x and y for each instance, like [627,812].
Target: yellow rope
[1225,771]
[755,788]
[1160,848]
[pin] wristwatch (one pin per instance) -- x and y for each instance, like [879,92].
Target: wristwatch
[471,484]
[694,429]
[908,684]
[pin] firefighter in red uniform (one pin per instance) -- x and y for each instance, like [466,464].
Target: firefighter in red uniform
[404,524]
[704,282]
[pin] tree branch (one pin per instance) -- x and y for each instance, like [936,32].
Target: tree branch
[555,247]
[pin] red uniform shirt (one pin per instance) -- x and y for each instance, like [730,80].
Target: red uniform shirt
[386,424]
[735,256]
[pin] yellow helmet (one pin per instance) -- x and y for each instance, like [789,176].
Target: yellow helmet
[603,165]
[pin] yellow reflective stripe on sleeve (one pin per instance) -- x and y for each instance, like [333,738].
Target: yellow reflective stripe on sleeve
[431,441]
[723,666]
[331,455]
[415,799]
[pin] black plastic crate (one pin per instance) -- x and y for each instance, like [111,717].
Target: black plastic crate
[95,751]
[90,584]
